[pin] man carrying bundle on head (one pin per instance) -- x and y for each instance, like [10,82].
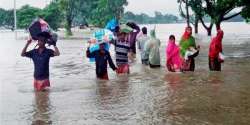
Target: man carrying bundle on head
[40,57]
[40,31]
[122,49]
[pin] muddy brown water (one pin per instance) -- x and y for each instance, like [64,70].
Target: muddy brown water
[145,97]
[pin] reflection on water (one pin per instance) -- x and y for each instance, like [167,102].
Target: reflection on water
[42,109]
[146,96]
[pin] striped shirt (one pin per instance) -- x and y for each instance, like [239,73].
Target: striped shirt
[121,52]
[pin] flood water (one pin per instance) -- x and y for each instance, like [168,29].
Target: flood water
[145,97]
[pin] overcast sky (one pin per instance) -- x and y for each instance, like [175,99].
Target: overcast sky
[136,6]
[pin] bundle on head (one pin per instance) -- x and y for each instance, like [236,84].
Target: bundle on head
[132,25]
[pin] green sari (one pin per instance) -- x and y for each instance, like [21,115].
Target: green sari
[185,44]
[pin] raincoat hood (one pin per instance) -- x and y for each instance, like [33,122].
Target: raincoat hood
[152,33]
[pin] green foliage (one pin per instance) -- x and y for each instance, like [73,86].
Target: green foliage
[104,10]
[159,18]
[67,12]
[6,18]
[246,10]
[220,10]
[26,15]
[72,9]
[53,15]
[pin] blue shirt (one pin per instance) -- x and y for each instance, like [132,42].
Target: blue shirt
[41,62]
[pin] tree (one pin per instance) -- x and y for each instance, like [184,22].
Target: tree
[183,14]
[72,8]
[246,11]
[200,13]
[53,15]
[129,15]
[7,18]
[159,18]
[26,14]
[104,10]
[194,18]
[221,10]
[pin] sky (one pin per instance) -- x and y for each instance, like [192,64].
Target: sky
[150,6]
[136,6]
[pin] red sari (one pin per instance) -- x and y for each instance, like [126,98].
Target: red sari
[214,50]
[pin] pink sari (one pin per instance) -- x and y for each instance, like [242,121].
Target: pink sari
[174,61]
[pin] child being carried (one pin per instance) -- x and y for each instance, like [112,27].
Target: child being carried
[189,52]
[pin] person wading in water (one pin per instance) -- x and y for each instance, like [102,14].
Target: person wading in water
[40,58]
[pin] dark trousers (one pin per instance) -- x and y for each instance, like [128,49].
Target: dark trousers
[154,66]
[144,61]
[189,65]
[133,47]
[214,64]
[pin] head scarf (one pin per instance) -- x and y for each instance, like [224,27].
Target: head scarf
[173,55]
[186,34]
[220,34]
[152,33]
[216,45]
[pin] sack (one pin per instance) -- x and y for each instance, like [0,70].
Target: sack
[53,39]
[221,57]
[37,27]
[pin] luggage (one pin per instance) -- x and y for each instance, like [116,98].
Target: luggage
[39,27]
[100,36]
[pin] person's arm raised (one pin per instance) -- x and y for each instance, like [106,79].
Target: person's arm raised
[25,47]
[56,52]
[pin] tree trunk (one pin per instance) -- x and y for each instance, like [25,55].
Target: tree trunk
[209,31]
[68,27]
[187,13]
[196,25]
[218,25]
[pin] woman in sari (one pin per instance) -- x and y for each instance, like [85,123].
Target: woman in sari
[174,60]
[187,42]
[214,51]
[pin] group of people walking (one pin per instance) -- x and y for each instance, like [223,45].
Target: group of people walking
[179,58]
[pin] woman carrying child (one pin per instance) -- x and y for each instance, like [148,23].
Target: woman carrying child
[188,48]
